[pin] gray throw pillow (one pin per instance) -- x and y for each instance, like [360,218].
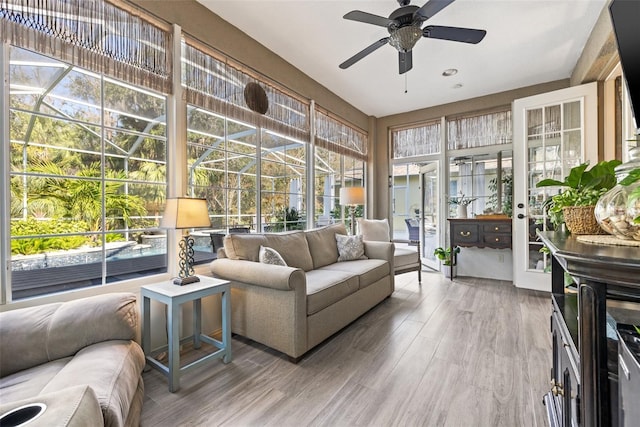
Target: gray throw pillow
[350,247]
[269,255]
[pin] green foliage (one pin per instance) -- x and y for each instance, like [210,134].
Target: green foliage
[114,237]
[81,199]
[507,199]
[600,176]
[36,245]
[570,197]
[583,187]
[634,176]
[446,255]
[289,219]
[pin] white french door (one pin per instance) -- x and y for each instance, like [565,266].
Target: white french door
[552,133]
[429,218]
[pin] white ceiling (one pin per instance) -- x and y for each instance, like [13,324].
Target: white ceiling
[527,42]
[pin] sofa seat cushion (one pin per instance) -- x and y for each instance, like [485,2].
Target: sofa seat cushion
[403,257]
[367,271]
[326,287]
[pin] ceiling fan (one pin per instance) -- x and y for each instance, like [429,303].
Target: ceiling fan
[404,26]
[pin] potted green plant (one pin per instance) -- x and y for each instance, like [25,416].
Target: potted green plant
[575,203]
[446,256]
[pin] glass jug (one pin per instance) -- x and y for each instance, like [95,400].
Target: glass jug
[612,210]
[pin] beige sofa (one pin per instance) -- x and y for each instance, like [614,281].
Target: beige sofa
[293,308]
[80,358]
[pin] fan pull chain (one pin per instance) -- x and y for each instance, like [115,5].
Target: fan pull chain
[405,83]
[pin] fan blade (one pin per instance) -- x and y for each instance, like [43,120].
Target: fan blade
[369,18]
[364,52]
[405,61]
[456,34]
[430,8]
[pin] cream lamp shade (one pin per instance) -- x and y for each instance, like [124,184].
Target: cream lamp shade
[352,196]
[181,213]
[185,212]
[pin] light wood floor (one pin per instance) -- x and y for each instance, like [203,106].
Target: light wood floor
[472,352]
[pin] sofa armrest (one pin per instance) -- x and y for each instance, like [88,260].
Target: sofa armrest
[259,274]
[74,406]
[62,329]
[379,250]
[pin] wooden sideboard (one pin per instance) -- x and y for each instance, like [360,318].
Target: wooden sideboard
[479,232]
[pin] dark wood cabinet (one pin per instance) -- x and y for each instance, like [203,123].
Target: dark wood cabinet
[481,233]
[492,233]
[584,384]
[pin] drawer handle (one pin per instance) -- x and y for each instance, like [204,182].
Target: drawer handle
[497,239]
[497,228]
[465,233]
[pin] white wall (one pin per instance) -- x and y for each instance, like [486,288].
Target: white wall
[486,263]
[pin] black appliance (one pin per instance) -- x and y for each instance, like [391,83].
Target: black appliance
[628,375]
[625,16]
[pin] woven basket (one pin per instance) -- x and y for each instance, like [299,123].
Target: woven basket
[581,220]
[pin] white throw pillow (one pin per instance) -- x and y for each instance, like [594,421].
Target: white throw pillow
[376,230]
[269,255]
[350,248]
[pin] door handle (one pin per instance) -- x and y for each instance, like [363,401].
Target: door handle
[520,216]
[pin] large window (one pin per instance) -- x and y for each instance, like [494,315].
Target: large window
[87,179]
[283,184]
[85,146]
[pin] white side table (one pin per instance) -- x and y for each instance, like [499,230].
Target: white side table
[173,296]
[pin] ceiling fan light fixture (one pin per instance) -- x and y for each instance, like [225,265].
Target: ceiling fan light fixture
[405,38]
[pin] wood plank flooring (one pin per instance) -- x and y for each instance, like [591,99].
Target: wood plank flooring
[473,352]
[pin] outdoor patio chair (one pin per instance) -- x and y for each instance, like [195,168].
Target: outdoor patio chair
[414,231]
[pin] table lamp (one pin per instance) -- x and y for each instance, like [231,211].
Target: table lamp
[184,213]
[352,196]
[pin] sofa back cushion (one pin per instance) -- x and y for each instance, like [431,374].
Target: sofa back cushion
[322,244]
[291,245]
[293,248]
[376,230]
[36,335]
[244,246]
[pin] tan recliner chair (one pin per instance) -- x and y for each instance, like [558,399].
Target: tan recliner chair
[405,259]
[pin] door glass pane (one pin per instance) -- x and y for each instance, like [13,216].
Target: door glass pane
[534,122]
[571,149]
[552,119]
[551,152]
[430,235]
[572,115]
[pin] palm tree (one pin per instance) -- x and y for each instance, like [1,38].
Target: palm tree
[81,197]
